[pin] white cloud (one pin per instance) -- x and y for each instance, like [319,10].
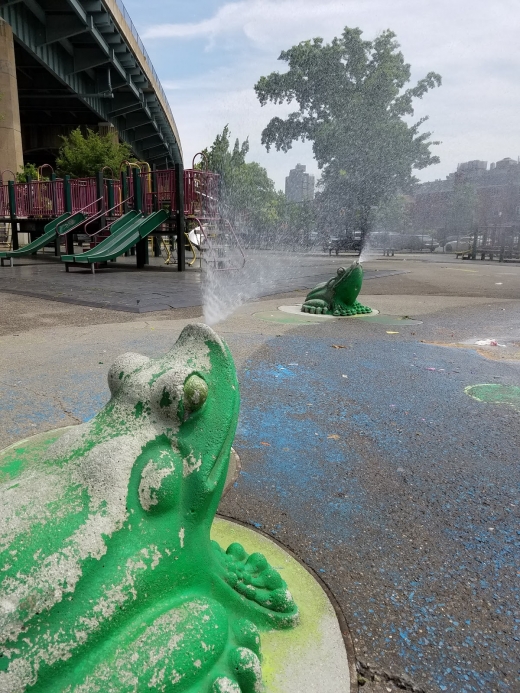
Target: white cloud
[255,19]
[471,43]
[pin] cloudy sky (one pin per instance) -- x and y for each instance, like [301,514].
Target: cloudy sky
[210,53]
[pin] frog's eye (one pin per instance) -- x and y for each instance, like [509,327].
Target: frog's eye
[195,393]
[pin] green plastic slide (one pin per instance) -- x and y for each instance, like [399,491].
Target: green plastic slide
[121,239]
[49,235]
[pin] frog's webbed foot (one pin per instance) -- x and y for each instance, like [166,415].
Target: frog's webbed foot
[253,578]
[315,305]
[243,661]
[247,674]
[340,308]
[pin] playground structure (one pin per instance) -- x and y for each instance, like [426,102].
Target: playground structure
[115,216]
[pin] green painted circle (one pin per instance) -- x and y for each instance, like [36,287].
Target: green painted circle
[495,393]
[291,318]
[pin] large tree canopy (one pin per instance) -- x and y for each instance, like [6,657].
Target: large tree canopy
[352,105]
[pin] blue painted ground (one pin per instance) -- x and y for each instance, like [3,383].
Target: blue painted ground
[400,490]
[392,483]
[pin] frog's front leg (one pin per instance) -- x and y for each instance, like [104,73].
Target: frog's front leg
[316,305]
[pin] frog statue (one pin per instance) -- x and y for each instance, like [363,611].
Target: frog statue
[109,582]
[338,295]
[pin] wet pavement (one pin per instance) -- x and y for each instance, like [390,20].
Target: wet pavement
[158,287]
[365,449]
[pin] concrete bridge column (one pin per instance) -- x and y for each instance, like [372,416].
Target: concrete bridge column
[11,152]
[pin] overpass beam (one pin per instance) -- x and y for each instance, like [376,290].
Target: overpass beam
[11,152]
[59,27]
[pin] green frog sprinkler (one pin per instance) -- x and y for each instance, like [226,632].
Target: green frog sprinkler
[338,295]
[109,581]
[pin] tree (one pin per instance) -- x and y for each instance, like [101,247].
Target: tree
[352,106]
[395,214]
[247,193]
[28,171]
[81,155]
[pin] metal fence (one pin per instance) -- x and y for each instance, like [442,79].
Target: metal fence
[201,190]
[46,199]
[83,193]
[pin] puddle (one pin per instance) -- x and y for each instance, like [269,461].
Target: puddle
[495,393]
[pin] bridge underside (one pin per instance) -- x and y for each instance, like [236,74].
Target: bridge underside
[48,109]
[79,65]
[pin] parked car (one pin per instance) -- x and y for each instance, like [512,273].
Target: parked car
[350,243]
[384,240]
[402,241]
[458,244]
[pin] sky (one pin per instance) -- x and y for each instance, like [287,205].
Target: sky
[210,53]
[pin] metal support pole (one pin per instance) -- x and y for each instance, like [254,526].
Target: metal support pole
[474,247]
[67,198]
[141,248]
[155,207]
[179,214]
[110,193]
[138,202]
[56,213]
[100,193]
[124,190]
[12,214]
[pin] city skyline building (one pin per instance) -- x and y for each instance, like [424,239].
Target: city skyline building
[299,185]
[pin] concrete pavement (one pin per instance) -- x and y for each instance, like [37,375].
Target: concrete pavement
[369,460]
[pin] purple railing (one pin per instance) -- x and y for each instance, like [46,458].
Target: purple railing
[83,192]
[4,201]
[44,199]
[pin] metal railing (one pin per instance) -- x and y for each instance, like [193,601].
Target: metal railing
[68,229]
[83,191]
[39,199]
[104,213]
[201,190]
[5,208]
[46,199]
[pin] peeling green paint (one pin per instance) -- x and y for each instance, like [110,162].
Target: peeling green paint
[108,575]
[166,400]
